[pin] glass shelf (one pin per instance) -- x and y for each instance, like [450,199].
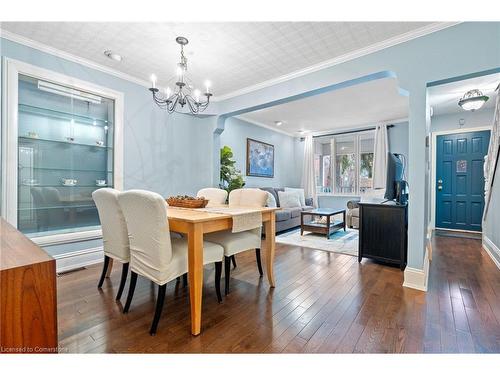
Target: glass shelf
[67,169]
[58,207]
[63,142]
[86,120]
[64,186]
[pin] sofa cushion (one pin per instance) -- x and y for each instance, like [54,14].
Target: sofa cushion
[300,193]
[283,214]
[307,208]
[294,212]
[354,212]
[289,199]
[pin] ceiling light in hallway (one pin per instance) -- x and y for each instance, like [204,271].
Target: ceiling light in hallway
[473,100]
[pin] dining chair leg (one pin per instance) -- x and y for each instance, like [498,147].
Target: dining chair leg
[227,273]
[259,263]
[185,280]
[233,258]
[104,271]
[131,290]
[218,273]
[122,281]
[159,308]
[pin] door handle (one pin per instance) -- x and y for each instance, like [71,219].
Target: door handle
[440,181]
[440,187]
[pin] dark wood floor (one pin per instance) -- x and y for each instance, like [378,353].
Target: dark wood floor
[323,302]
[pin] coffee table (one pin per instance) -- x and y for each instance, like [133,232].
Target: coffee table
[331,225]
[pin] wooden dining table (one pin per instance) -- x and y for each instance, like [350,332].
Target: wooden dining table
[194,224]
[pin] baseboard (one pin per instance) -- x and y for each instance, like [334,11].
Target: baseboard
[415,278]
[77,259]
[492,250]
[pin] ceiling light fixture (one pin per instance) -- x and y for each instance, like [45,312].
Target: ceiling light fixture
[181,94]
[473,100]
[278,123]
[113,56]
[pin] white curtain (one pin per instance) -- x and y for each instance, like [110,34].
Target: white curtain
[380,157]
[308,180]
[333,161]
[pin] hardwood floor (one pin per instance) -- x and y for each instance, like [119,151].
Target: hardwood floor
[323,302]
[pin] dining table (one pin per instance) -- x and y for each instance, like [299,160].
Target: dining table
[194,223]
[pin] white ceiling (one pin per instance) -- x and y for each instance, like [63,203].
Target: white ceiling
[232,55]
[444,98]
[358,106]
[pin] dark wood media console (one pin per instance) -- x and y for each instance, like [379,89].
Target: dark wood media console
[383,232]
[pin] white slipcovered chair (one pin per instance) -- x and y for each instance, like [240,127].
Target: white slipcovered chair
[234,243]
[114,233]
[153,253]
[215,196]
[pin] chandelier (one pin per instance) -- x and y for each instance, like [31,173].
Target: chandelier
[472,100]
[183,93]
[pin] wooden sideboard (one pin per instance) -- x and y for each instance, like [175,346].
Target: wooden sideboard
[28,300]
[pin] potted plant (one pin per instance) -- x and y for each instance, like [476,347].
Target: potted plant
[230,177]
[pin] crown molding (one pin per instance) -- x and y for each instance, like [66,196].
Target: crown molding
[432,28]
[263,125]
[70,57]
[325,64]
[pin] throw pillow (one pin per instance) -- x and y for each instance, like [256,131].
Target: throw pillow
[271,201]
[289,199]
[300,193]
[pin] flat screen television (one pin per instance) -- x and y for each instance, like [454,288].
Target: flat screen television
[395,173]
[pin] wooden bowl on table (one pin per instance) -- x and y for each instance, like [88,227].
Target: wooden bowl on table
[187,202]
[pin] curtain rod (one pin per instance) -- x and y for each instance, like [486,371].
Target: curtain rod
[349,132]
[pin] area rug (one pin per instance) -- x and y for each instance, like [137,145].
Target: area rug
[339,242]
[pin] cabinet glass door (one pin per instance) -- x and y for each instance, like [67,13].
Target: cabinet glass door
[65,152]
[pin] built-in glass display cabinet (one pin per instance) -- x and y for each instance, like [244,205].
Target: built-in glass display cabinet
[65,137]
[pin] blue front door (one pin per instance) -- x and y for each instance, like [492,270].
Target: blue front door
[460,180]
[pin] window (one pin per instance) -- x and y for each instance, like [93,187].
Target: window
[366,146]
[353,164]
[345,166]
[322,167]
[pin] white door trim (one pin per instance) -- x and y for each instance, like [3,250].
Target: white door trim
[11,71]
[434,135]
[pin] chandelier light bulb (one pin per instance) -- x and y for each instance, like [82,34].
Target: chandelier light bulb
[180,72]
[168,91]
[153,81]
[197,95]
[207,85]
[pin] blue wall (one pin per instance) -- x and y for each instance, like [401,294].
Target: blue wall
[286,173]
[462,49]
[398,138]
[161,151]
[483,117]
[459,50]
[491,224]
